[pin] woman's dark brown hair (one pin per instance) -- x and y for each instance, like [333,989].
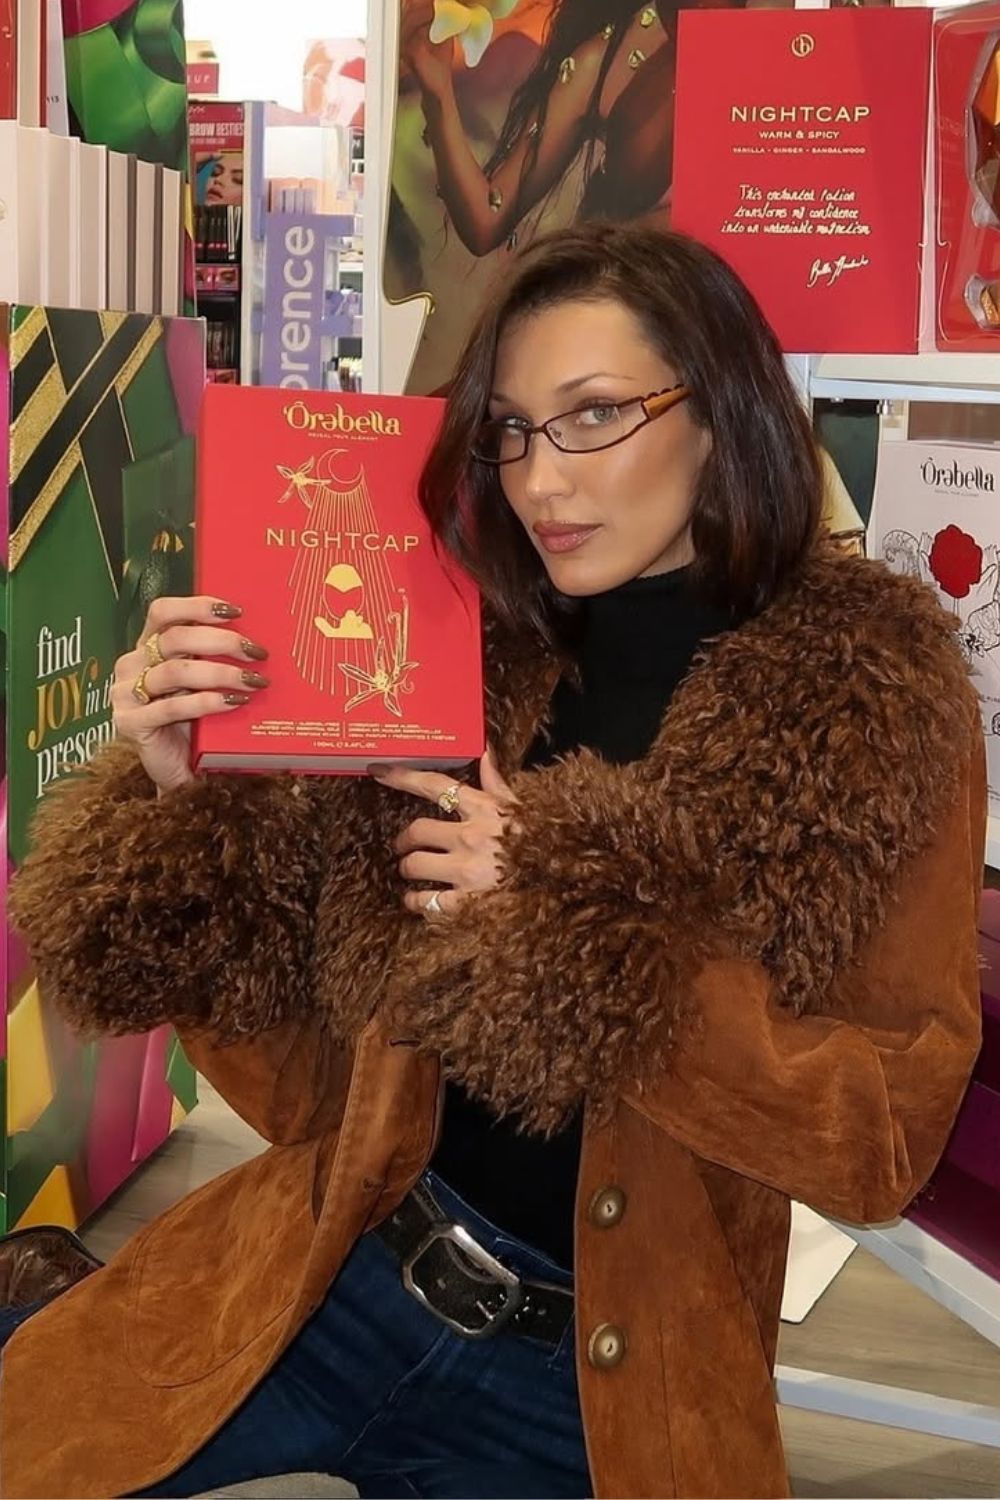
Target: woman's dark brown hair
[758,501]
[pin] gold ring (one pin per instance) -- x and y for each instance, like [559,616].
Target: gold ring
[153,650]
[448,800]
[139,687]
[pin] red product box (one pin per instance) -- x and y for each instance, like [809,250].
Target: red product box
[308,519]
[967,113]
[799,156]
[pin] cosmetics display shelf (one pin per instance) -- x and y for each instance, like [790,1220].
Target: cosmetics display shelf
[906,377]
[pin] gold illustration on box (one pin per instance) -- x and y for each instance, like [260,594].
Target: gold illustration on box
[352,620]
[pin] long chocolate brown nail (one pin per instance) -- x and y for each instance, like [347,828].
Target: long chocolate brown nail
[226,611]
[255,680]
[255,652]
[236,700]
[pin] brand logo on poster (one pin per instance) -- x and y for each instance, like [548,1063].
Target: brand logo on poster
[299,416]
[300,315]
[953,476]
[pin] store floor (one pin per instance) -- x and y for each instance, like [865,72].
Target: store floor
[870,1325]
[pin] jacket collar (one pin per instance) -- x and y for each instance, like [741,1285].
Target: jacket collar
[808,754]
[807,757]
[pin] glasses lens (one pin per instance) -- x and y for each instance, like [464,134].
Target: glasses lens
[588,429]
[499,443]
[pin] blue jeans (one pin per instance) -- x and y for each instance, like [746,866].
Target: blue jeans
[377,1390]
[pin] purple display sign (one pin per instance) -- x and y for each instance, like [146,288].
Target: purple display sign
[296,317]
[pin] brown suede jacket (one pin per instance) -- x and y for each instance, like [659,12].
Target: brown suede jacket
[752,954]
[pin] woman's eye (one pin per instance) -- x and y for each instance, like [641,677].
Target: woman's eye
[596,416]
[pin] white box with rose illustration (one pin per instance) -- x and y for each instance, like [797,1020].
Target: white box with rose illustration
[936,516]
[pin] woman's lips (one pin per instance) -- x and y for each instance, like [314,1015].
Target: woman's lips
[563,538]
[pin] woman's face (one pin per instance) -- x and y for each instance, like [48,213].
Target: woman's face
[597,519]
[226,182]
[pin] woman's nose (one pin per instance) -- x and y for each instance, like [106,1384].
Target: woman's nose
[545,469]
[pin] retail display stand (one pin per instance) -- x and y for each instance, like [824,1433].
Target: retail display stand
[217,132]
[98,479]
[277,244]
[101,385]
[305,270]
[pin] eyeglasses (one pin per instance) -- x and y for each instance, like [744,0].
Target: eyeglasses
[588,429]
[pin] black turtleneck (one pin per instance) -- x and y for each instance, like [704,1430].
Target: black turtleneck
[636,646]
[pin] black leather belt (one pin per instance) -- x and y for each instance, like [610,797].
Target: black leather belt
[462,1284]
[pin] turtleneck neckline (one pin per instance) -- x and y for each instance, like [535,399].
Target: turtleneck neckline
[644,631]
[653,585]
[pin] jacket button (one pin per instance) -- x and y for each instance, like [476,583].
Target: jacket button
[607,1207]
[606,1348]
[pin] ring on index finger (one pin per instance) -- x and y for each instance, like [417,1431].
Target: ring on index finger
[448,800]
[139,692]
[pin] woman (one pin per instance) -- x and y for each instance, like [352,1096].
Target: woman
[602,86]
[701,940]
[603,79]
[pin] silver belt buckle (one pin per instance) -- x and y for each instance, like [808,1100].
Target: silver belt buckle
[479,1257]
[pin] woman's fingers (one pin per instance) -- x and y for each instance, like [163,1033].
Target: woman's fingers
[448,903]
[134,721]
[429,785]
[183,674]
[199,609]
[207,640]
[429,833]
[422,865]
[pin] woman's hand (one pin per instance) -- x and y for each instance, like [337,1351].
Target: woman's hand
[431,61]
[464,856]
[184,685]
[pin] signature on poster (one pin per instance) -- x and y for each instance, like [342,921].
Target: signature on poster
[833,270]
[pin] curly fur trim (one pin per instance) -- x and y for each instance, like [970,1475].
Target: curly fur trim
[549,987]
[360,917]
[521,676]
[806,758]
[140,911]
[815,752]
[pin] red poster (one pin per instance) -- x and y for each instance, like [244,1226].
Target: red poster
[967,87]
[308,520]
[800,157]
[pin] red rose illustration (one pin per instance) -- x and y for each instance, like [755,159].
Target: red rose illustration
[956,561]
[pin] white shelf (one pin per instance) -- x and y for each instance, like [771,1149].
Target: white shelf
[888,1406]
[936,1269]
[953,1282]
[907,377]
